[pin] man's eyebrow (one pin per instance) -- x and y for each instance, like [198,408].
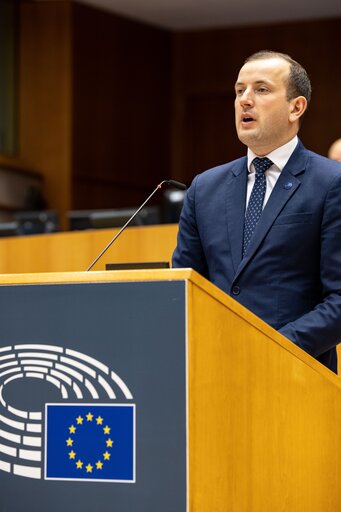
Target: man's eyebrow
[257,82]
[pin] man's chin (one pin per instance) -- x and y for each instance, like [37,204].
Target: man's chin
[246,137]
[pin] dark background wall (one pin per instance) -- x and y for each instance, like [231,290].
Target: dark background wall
[121,108]
[108,107]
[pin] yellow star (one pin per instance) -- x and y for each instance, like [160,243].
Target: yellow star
[89,416]
[89,468]
[72,429]
[79,420]
[99,420]
[72,454]
[109,443]
[79,464]
[69,442]
[106,455]
[99,465]
[106,430]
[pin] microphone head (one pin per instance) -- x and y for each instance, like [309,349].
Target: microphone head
[176,184]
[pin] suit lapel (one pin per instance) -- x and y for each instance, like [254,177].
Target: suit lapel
[235,209]
[284,189]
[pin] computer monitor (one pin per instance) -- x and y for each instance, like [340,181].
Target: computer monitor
[114,218]
[9,228]
[36,222]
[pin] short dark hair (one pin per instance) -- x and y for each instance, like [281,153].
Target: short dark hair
[298,81]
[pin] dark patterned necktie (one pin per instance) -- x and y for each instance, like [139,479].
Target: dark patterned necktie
[256,200]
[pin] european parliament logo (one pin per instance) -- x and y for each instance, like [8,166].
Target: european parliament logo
[91,442]
[89,435]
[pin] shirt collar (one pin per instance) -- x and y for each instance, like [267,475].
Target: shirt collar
[278,156]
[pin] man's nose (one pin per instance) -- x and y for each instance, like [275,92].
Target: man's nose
[246,98]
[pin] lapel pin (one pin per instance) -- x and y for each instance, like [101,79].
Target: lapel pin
[288,185]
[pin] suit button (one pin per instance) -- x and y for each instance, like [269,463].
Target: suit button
[236,290]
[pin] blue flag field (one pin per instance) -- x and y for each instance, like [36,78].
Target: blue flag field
[90,442]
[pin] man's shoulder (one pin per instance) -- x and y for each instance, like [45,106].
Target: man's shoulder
[323,160]
[316,163]
[325,168]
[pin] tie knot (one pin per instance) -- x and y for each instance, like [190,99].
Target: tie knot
[262,164]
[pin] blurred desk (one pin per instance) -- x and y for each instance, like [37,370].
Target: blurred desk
[75,250]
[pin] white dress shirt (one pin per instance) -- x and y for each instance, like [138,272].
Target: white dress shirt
[279,157]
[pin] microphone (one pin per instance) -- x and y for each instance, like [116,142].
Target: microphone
[172,183]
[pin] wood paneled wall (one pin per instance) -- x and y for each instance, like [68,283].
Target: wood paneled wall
[94,105]
[110,106]
[45,97]
[121,109]
[206,67]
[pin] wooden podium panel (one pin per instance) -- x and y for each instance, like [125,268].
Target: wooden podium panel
[267,436]
[234,416]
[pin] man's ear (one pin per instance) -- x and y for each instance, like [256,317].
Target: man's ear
[297,108]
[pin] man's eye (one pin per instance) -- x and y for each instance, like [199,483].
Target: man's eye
[262,89]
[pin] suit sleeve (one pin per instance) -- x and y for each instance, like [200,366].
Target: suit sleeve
[189,251]
[320,329]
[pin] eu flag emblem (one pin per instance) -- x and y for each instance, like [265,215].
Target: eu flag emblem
[90,442]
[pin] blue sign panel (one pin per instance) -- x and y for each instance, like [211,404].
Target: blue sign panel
[90,442]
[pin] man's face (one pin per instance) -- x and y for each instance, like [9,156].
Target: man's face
[262,111]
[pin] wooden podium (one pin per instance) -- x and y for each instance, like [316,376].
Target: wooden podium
[230,415]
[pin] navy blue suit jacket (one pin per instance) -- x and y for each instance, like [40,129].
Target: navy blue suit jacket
[291,274]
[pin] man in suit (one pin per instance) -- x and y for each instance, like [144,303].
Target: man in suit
[282,260]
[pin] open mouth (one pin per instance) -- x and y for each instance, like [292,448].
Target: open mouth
[247,119]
